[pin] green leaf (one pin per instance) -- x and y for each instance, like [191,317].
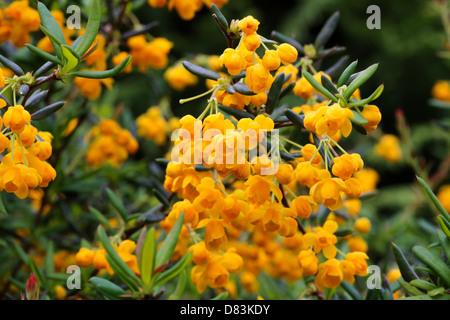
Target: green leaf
[439,104]
[433,198]
[405,269]
[181,285]
[115,260]
[351,290]
[91,28]
[167,275]
[117,204]
[319,87]
[2,206]
[372,97]
[231,90]
[296,119]
[222,296]
[52,27]
[359,81]
[47,111]
[72,59]
[410,289]
[22,254]
[329,85]
[436,292]
[373,294]
[102,74]
[49,259]
[108,289]
[343,232]
[100,217]
[287,89]
[445,225]
[11,65]
[273,96]
[121,273]
[242,88]
[358,118]
[147,259]
[200,71]
[327,30]
[422,284]
[56,43]
[347,73]
[238,114]
[434,262]
[166,250]
[37,271]
[215,10]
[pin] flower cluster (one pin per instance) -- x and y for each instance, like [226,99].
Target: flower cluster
[110,144]
[186,9]
[152,125]
[24,167]
[17,21]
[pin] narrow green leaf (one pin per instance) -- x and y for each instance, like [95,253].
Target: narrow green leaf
[117,204]
[72,59]
[166,250]
[336,69]
[347,73]
[91,28]
[359,81]
[287,89]
[37,271]
[434,262]
[200,71]
[231,90]
[181,285]
[372,97]
[445,225]
[46,67]
[49,23]
[327,84]
[242,88]
[77,42]
[35,98]
[437,291]
[410,289]
[49,259]
[147,259]
[327,30]
[167,275]
[343,232]
[296,119]
[2,206]
[22,254]
[405,269]
[103,74]
[44,55]
[56,43]
[11,65]
[238,114]
[47,111]
[358,118]
[319,87]
[273,96]
[100,217]
[215,10]
[121,273]
[373,294]
[108,289]
[433,198]
[422,284]
[351,290]
[114,256]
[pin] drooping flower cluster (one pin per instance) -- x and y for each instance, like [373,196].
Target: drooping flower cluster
[186,9]
[24,167]
[152,125]
[110,144]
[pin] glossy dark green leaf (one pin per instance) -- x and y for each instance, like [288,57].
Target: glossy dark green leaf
[47,111]
[359,81]
[273,96]
[327,30]
[231,90]
[200,71]
[52,27]
[343,232]
[345,76]
[433,262]
[45,68]
[242,88]
[318,86]
[102,74]
[11,65]
[99,217]
[238,114]
[405,268]
[287,89]
[56,42]
[108,289]
[91,28]
[117,204]
[35,98]
[296,119]
[329,85]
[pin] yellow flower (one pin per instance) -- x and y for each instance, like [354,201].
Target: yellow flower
[358,259]
[443,196]
[287,53]
[441,90]
[84,257]
[345,165]
[362,225]
[308,261]
[232,60]
[271,60]
[323,239]
[258,78]
[16,118]
[330,275]
[328,191]
[179,78]
[389,148]
[248,25]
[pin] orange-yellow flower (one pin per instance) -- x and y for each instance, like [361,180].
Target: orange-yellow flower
[16,118]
